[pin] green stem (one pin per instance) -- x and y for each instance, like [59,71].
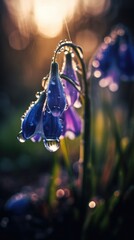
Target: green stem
[86,187]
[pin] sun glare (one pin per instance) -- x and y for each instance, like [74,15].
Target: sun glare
[45,17]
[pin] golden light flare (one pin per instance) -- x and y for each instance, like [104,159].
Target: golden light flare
[47,17]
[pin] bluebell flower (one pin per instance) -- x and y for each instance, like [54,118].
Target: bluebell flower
[56,100]
[68,69]
[31,125]
[48,117]
[72,123]
[114,59]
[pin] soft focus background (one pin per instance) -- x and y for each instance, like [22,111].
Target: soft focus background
[29,33]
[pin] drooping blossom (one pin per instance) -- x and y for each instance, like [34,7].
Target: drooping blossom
[114,60]
[48,118]
[68,69]
[56,100]
[31,121]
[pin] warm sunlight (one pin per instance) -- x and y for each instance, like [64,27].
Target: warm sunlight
[45,17]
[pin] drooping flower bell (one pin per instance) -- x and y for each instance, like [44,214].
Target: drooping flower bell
[52,131]
[72,123]
[56,100]
[68,69]
[51,116]
[31,125]
[114,59]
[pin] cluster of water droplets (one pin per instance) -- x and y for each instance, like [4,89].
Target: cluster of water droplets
[20,135]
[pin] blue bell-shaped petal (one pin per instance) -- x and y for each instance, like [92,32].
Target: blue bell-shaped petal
[52,130]
[72,123]
[69,70]
[31,119]
[56,100]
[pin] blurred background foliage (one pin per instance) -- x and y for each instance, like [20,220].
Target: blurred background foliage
[27,42]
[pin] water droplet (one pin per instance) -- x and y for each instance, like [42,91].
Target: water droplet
[31,124]
[53,83]
[21,138]
[38,94]
[22,117]
[31,105]
[52,145]
[48,110]
[66,107]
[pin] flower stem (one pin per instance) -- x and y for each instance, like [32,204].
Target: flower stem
[86,186]
[86,192]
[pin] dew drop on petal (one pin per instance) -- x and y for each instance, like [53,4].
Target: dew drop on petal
[38,94]
[21,138]
[52,145]
[53,83]
[66,107]
[22,118]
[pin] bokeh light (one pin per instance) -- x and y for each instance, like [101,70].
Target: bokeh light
[47,18]
[92,204]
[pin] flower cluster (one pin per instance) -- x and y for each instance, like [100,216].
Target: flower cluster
[53,115]
[114,60]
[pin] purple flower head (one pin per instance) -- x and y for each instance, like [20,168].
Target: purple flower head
[72,123]
[56,100]
[48,117]
[114,59]
[69,70]
[31,126]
